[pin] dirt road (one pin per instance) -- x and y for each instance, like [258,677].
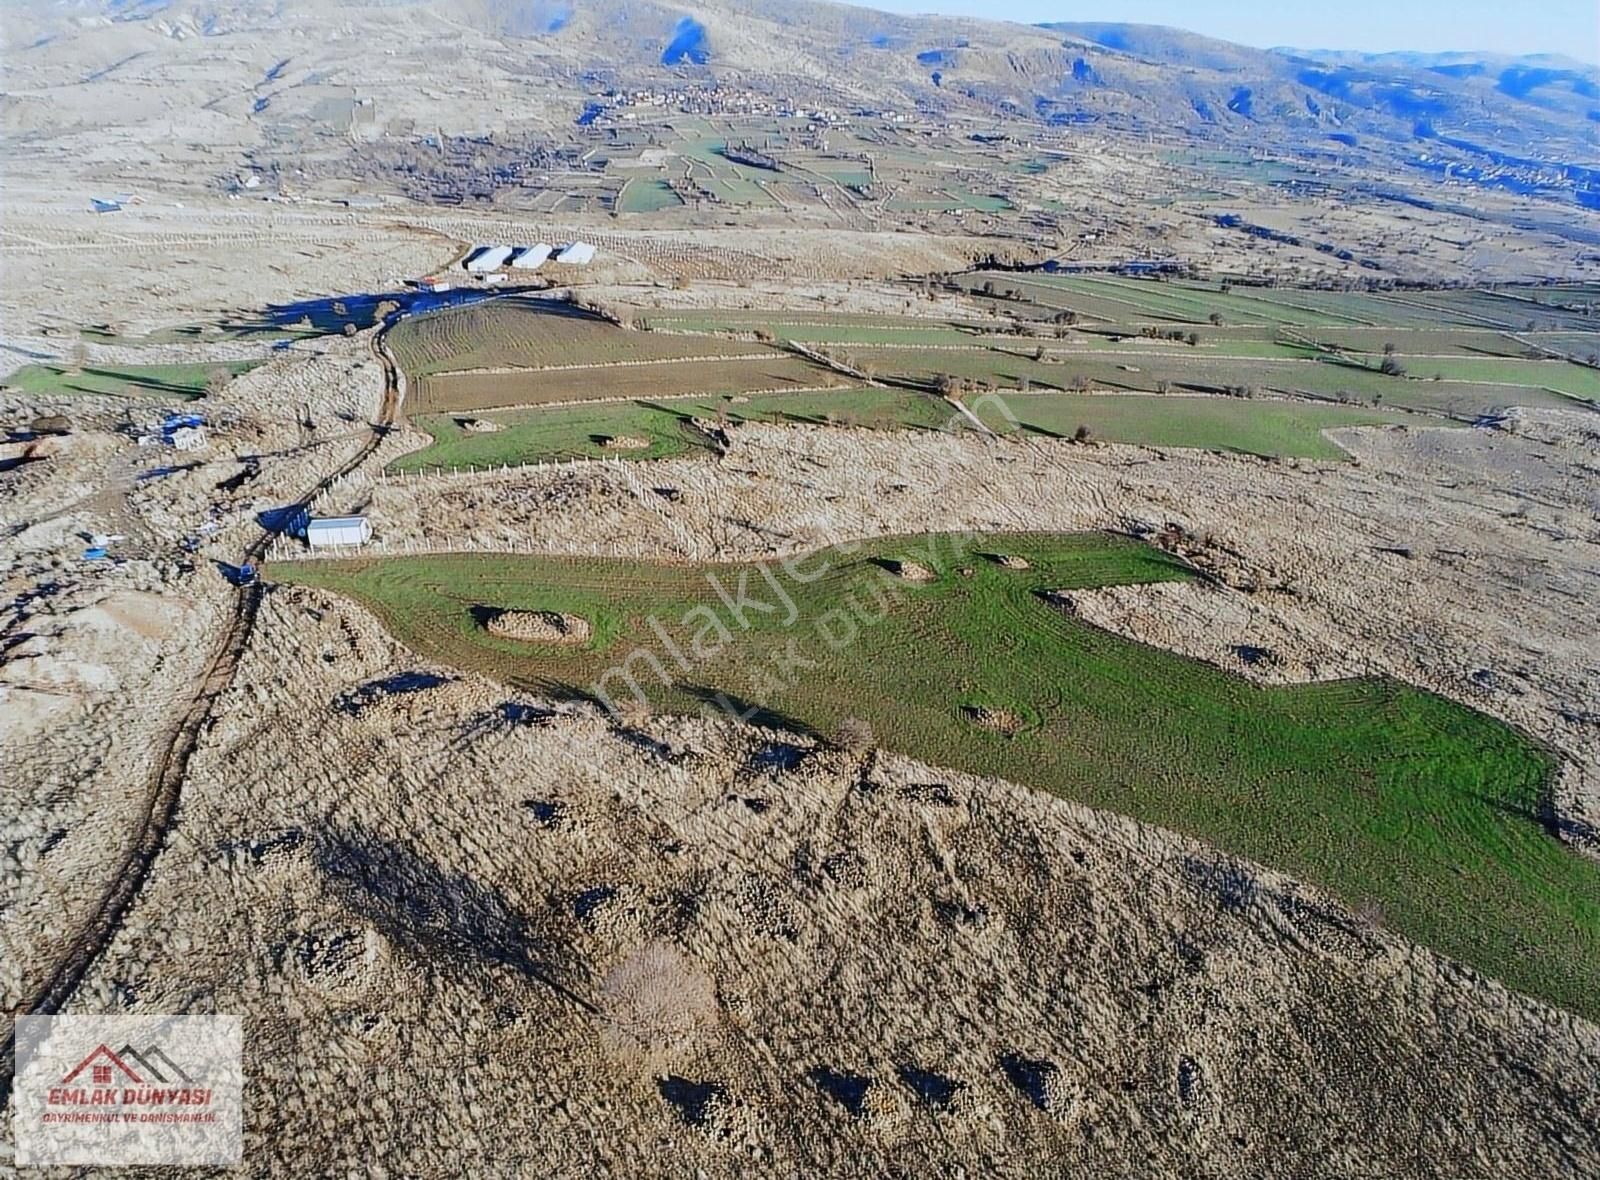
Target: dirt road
[171,767]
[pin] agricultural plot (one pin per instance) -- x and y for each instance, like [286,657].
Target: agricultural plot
[1580,346]
[826,329]
[647,195]
[555,433]
[1194,371]
[519,333]
[183,382]
[1578,381]
[1285,429]
[1496,309]
[452,392]
[1269,428]
[1464,342]
[583,431]
[1381,793]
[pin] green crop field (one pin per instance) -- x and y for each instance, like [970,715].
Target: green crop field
[1288,429]
[1273,428]
[1198,370]
[1385,795]
[184,382]
[1580,381]
[579,432]
[454,392]
[799,326]
[647,195]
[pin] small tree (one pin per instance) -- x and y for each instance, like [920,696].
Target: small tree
[349,328]
[946,385]
[1193,339]
[1391,366]
[1215,319]
[217,379]
[1081,434]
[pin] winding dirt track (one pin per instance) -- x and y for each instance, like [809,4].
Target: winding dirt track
[172,765]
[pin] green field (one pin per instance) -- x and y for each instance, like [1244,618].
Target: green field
[1284,429]
[184,382]
[1386,795]
[1200,371]
[1578,381]
[647,195]
[578,432]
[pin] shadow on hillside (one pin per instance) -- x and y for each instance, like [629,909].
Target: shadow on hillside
[446,917]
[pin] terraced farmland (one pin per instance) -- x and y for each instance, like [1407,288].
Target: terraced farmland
[522,333]
[1147,370]
[1276,428]
[1285,429]
[514,351]
[1386,795]
[451,392]
[580,432]
[1111,299]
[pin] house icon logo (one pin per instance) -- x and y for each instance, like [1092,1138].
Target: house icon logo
[151,1090]
[107,1067]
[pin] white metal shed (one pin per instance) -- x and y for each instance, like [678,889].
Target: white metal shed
[328,531]
[577,254]
[489,258]
[532,257]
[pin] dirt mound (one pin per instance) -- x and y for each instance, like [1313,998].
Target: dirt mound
[911,571]
[625,442]
[538,626]
[999,720]
[477,425]
[1011,561]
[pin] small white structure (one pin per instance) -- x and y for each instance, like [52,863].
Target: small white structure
[532,257]
[326,532]
[577,254]
[489,258]
[188,438]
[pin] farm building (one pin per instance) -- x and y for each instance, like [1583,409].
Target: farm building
[329,531]
[488,258]
[577,254]
[531,257]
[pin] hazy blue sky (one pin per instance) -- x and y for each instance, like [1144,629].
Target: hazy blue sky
[1571,27]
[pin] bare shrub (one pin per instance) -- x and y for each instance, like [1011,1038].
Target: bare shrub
[657,998]
[854,735]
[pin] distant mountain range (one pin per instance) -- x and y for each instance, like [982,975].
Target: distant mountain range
[1524,124]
